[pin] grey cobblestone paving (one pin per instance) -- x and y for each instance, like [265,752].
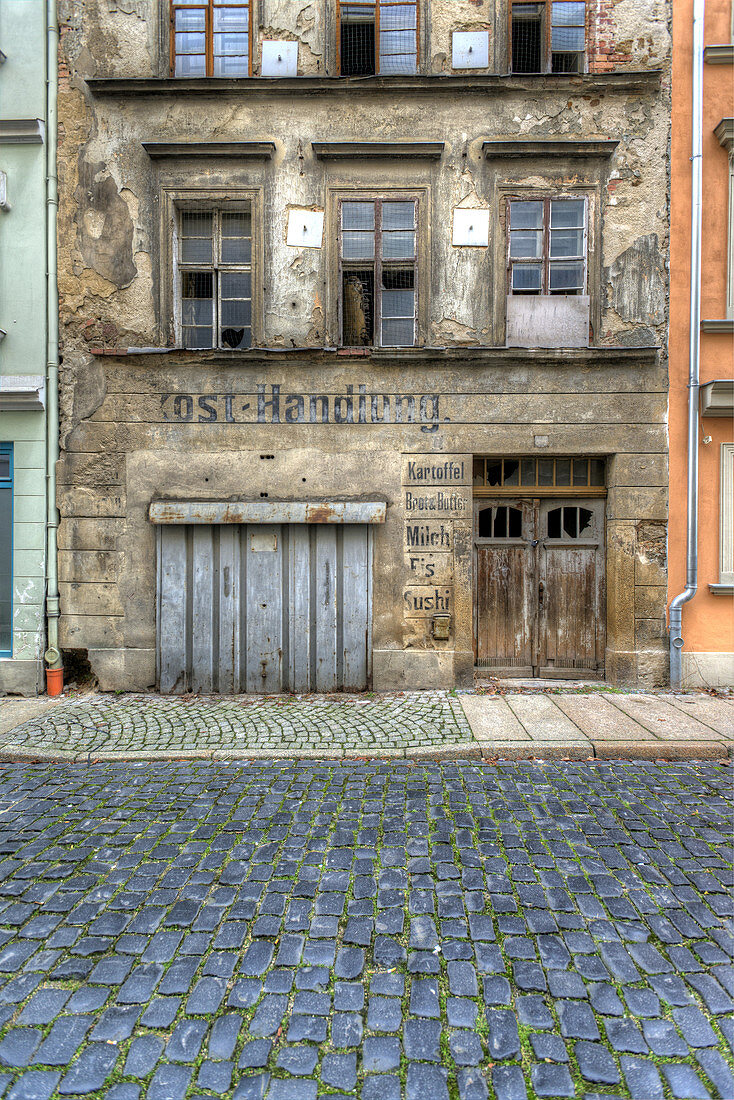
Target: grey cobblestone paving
[293,930]
[284,724]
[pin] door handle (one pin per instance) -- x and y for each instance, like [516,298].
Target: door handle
[541,592]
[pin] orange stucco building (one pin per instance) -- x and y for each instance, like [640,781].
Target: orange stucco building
[708,618]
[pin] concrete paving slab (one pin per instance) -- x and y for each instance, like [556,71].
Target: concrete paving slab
[542,719]
[713,712]
[13,712]
[665,721]
[491,719]
[599,720]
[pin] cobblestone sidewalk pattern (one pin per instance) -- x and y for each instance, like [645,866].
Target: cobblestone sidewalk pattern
[385,931]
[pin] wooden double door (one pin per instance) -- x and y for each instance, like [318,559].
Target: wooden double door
[539,606]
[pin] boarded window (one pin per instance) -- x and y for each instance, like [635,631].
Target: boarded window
[547,246]
[378,272]
[377,36]
[211,38]
[215,278]
[548,36]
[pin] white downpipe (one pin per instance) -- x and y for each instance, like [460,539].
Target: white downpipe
[694,347]
[52,655]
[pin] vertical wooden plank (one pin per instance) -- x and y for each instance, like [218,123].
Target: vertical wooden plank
[264,609]
[354,610]
[299,621]
[172,602]
[228,605]
[203,604]
[324,608]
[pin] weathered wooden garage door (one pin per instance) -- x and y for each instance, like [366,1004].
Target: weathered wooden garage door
[539,587]
[264,607]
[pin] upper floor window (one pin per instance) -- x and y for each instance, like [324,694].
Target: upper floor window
[377,250]
[211,38]
[547,246]
[377,36]
[548,36]
[215,277]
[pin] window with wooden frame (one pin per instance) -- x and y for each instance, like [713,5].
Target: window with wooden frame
[546,248]
[211,38]
[214,262]
[548,36]
[539,476]
[378,272]
[377,37]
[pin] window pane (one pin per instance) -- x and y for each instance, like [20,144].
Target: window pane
[568,12]
[597,471]
[236,284]
[230,44]
[527,38]
[398,303]
[358,215]
[398,215]
[236,224]
[563,471]
[397,334]
[398,63]
[545,471]
[566,62]
[478,471]
[526,277]
[197,309]
[526,215]
[528,471]
[196,237]
[567,276]
[398,17]
[358,13]
[4,466]
[567,214]
[567,39]
[231,19]
[194,20]
[197,338]
[398,245]
[358,246]
[554,523]
[494,472]
[236,250]
[190,43]
[567,242]
[231,66]
[191,65]
[580,471]
[526,244]
[236,311]
[357,40]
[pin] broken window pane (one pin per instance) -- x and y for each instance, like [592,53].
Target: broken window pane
[358,289]
[357,49]
[585,522]
[494,471]
[554,523]
[511,472]
[478,471]
[527,38]
[571,522]
[484,523]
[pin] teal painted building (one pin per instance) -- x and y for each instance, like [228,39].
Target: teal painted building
[27,358]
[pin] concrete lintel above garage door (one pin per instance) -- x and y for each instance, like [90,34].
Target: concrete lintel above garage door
[267,511]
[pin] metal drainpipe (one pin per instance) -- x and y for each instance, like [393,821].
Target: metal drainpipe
[694,345]
[52,655]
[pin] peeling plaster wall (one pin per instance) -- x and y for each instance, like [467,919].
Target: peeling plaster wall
[115,285]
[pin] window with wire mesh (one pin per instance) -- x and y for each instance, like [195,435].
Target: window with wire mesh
[548,36]
[215,278]
[377,37]
[547,246]
[377,248]
[210,38]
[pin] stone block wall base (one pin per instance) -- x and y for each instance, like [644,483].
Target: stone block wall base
[421,669]
[22,677]
[637,668]
[123,669]
[708,670]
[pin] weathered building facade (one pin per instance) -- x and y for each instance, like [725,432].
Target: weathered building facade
[363,312]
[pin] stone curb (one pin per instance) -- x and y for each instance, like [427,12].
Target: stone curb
[474,750]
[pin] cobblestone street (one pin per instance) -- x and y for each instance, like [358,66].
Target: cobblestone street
[291,930]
